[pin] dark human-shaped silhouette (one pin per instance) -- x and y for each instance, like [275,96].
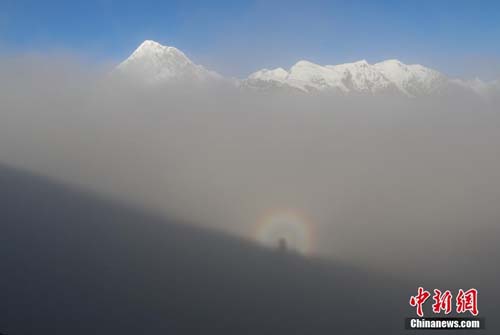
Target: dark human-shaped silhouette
[282,246]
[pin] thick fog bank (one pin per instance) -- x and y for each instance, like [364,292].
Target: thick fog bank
[390,182]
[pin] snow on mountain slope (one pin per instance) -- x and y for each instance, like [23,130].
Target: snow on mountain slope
[357,77]
[479,87]
[362,77]
[412,80]
[154,63]
[307,75]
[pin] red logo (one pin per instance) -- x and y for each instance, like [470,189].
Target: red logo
[442,301]
[466,301]
[419,299]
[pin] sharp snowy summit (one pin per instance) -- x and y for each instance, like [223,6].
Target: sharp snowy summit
[154,63]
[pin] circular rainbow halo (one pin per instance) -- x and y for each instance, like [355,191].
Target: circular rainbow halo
[285,225]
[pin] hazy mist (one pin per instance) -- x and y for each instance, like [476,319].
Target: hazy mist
[387,182]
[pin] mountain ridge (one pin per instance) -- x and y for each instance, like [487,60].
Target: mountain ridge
[155,63]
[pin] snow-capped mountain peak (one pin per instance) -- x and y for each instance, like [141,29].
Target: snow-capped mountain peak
[358,77]
[150,48]
[153,62]
[276,74]
[414,79]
